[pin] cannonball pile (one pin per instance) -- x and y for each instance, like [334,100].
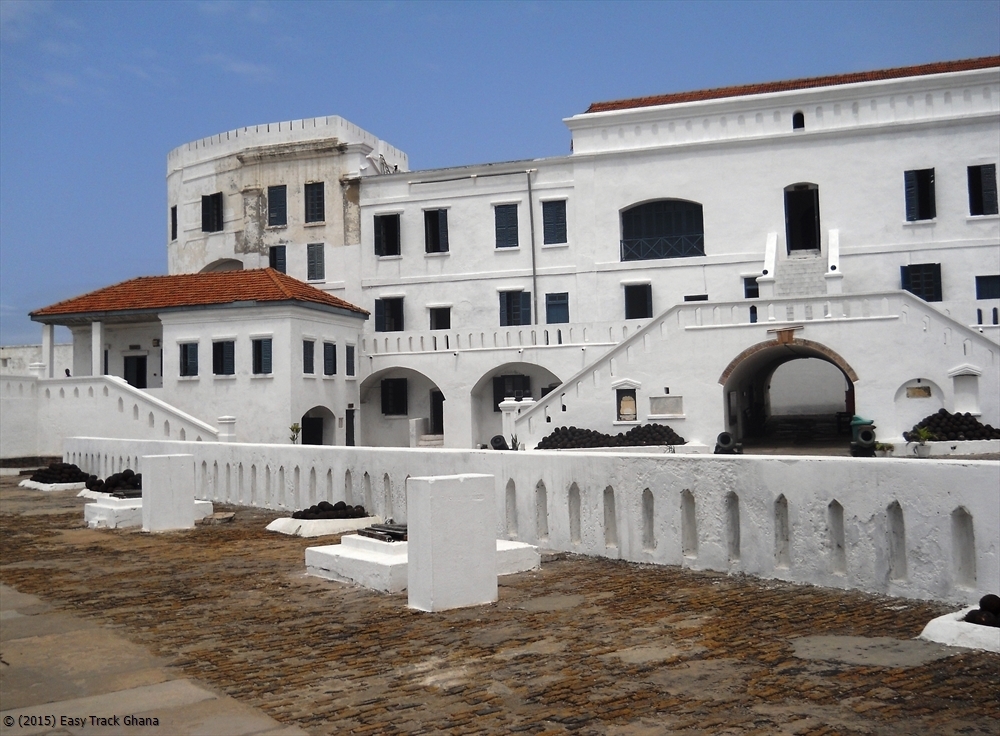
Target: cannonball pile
[952,427]
[563,438]
[988,613]
[126,484]
[327,510]
[59,473]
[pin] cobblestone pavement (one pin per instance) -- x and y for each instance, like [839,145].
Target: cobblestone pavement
[581,646]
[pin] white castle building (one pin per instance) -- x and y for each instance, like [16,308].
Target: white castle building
[665,271]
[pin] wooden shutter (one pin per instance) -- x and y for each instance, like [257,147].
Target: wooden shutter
[276,258]
[228,357]
[442,231]
[329,359]
[349,357]
[933,276]
[265,356]
[379,235]
[553,222]
[308,348]
[498,391]
[206,214]
[192,359]
[504,319]
[988,176]
[910,190]
[648,288]
[314,266]
[904,277]
[379,315]
[506,225]
[525,308]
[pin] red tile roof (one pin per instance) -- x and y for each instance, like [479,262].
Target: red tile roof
[941,67]
[194,290]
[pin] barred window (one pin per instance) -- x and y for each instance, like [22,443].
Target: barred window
[189,358]
[922,279]
[666,228]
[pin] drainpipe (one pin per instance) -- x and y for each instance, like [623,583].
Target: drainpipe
[534,271]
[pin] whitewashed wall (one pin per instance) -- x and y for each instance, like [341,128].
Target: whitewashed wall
[921,529]
[16,360]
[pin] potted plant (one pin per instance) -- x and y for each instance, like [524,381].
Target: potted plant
[884,449]
[293,433]
[921,436]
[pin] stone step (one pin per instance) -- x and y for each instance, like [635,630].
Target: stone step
[430,440]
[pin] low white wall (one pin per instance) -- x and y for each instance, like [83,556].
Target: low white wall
[915,528]
[37,414]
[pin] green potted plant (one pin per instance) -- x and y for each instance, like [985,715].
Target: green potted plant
[293,433]
[921,436]
[884,449]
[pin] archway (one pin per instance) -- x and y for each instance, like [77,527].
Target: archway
[223,264]
[318,427]
[812,405]
[391,399]
[517,380]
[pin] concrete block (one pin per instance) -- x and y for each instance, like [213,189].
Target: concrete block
[319,527]
[369,562]
[512,557]
[168,492]
[451,522]
[113,513]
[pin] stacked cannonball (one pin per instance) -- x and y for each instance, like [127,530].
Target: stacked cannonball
[59,473]
[988,613]
[953,427]
[563,438]
[327,510]
[126,484]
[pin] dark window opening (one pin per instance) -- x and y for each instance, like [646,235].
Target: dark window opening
[315,210]
[625,403]
[277,206]
[276,257]
[798,121]
[394,397]
[557,308]
[554,222]
[983,190]
[315,262]
[987,287]
[349,359]
[189,359]
[515,308]
[506,225]
[638,301]
[135,370]
[979,316]
[224,358]
[211,213]
[802,217]
[995,311]
[308,352]
[387,235]
[753,315]
[262,356]
[440,318]
[696,298]
[515,387]
[389,315]
[919,190]
[436,231]
[751,289]
[922,279]
[173,222]
[667,228]
[329,359]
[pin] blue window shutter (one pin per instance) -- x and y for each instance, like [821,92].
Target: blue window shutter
[308,348]
[525,308]
[904,278]
[193,359]
[935,275]
[229,358]
[379,316]
[265,356]
[988,176]
[329,359]
[506,225]
[379,237]
[554,222]
[504,319]
[443,230]
[910,188]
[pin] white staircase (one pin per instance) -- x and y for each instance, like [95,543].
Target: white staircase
[802,276]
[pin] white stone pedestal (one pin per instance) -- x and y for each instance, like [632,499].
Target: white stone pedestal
[167,492]
[369,562]
[451,526]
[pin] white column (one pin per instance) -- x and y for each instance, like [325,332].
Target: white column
[48,352]
[96,348]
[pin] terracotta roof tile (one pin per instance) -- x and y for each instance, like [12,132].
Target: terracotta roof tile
[941,67]
[193,290]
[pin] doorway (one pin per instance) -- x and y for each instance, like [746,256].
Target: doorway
[312,430]
[802,231]
[437,412]
[349,429]
[135,370]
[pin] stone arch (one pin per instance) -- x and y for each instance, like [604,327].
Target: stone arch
[486,422]
[393,430]
[223,264]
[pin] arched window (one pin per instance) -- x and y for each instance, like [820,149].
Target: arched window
[665,228]
[798,121]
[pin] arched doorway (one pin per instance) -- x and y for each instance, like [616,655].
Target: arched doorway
[391,399]
[223,264]
[516,380]
[318,427]
[789,391]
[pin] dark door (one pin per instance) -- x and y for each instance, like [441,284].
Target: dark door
[349,429]
[802,217]
[312,430]
[135,370]
[437,412]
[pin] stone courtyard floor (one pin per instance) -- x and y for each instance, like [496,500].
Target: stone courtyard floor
[582,645]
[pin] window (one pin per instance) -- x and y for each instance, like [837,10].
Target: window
[802,217]
[506,225]
[173,222]
[557,308]
[554,222]
[625,403]
[666,228]
[314,202]
[510,387]
[394,397]
[189,358]
[262,356]
[987,287]
[224,358]
[436,231]
[922,279]
[329,359]
[389,315]
[276,257]
[798,121]
[696,298]
[387,235]
[440,318]
[308,350]
[315,265]
[211,213]
[515,308]
[638,301]
[751,289]
[983,190]
[349,359]
[277,206]
[919,190]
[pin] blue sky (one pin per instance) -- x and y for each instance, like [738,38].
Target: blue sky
[94,94]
